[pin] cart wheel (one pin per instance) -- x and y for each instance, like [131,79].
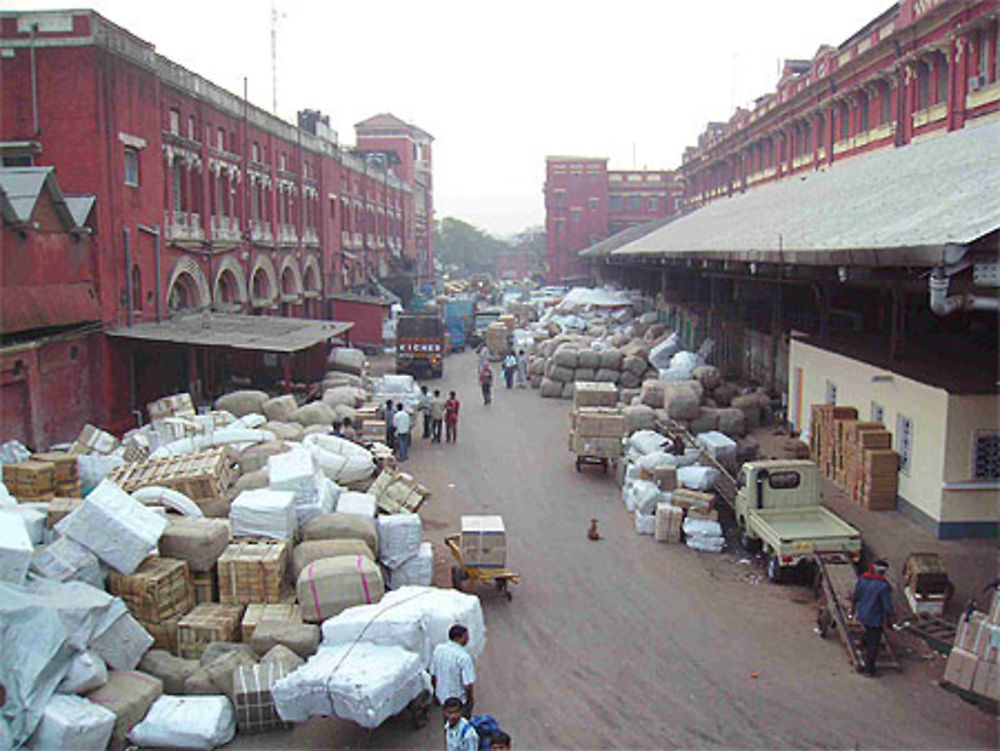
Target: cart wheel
[824,621]
[457,576]
[774,571]
[749,544]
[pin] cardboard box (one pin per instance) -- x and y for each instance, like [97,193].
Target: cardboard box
[60,508]
[484,541]
[599,422]
[669,521]
[29,479]
[160,589]
[665,478]
[178,405]
[253,571]
[594,394]
[968,633]
[987,680]
[257,613]
[208,622]
[960,670]
[65,466]
[692,499]
[94,441]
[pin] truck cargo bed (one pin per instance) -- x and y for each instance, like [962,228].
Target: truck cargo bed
[813,523]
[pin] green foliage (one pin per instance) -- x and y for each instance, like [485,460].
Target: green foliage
[461,244]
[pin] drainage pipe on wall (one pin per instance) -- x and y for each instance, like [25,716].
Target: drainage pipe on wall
[943,305]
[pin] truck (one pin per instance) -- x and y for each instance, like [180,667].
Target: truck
[458,315]
[778,512]
[420,345]
[480,320]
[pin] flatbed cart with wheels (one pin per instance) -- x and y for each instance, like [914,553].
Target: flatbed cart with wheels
[499,578]
[835,582]
[589,460]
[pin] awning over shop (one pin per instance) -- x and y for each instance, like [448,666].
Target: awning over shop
[48,305]
[257,333]
[896,206]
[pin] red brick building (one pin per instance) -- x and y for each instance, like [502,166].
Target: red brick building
[586,202]
[204,201]
[920,69]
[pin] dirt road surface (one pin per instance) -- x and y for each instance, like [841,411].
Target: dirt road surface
[626,643]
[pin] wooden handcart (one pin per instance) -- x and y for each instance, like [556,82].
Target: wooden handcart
[835,582]
[461,572]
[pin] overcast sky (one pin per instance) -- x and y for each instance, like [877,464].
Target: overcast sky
[501,85]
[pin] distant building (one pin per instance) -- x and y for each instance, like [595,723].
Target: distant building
[585,202]
[518,264]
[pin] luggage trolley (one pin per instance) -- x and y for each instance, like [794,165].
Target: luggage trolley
[461,572]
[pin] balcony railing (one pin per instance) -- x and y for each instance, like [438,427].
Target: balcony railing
[225,229]
[260,232]
[309,236]
[183,226]
[357,240]
[286,235]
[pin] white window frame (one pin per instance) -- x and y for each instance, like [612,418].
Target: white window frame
[904,442]
[131,150]
[175,122]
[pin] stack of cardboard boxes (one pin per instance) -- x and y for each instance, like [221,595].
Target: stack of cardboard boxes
[65,473]
[483,542]
[496,339]
[973,663]
[597,426]
[856,455]
[30,481]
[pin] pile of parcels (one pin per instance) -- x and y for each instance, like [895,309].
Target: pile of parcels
[193,578]
[974,661]
[671,495]
[856,455]
[597,425]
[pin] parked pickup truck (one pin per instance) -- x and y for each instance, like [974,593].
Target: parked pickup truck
[778,510]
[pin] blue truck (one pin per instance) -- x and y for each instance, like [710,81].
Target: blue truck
[458,315]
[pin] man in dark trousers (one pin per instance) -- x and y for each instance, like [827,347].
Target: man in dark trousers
[872,605]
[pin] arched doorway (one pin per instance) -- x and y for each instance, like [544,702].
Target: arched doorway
[187,288]
[230,286]
[263,283]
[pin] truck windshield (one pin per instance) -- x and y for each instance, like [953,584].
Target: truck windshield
[419,326]
[783,480]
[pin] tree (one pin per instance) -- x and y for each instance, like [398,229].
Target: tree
[459,243]
[531,240]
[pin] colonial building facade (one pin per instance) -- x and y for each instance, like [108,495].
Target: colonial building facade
[586,202]
[920,69]
[204,201]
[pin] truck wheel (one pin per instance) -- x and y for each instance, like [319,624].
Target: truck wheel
[775,573]
[749,544]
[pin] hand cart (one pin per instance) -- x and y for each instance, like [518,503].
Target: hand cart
[835,582]
[499,578]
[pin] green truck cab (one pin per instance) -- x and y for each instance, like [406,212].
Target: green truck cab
[778,511]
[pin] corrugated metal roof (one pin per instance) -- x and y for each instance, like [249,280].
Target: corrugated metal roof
[627,235]
[258,333]
[894,206]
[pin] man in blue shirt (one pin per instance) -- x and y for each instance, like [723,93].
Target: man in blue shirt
[872,605]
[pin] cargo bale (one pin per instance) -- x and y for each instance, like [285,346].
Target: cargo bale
[280,408]
[708,376]
[550,389]
[315,413]
[242,403]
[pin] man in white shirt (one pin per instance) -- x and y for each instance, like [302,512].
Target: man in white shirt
[401,422]
[459,735]
[452,672]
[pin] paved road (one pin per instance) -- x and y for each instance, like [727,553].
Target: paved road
[626,643]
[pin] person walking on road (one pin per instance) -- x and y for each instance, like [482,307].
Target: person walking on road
[437,416]
[388,413]
[872,605]
[522,370]
[459,735]
[451,408]
[509,369]
[453,673]
[401,424]
[425,409]
[486,382]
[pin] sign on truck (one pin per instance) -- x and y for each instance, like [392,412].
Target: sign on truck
[420,345]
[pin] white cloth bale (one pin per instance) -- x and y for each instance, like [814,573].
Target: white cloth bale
[399,537]
[415,571]
[294,470]
[16,548]
[363,683]
[645,524]
[646,441]
[719,446]
[358,504]
[86,672]
[285,431]
[280,408]
[72,722]
[661,355]
[65,560]
[645,496]
[682,367]
[115,527]
[120,639]
[440,609]
[341,460]
[186,722]
[264,513]
[697,477]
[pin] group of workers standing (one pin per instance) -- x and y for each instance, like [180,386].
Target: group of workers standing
[437,412]
[514,368]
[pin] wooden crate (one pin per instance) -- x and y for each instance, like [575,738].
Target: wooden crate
[208,622]
[202,477]
[160,589]
[30,479]
[59,508]
[257,613]
[880,482]
[253,571]
[69,490]
[206,585]
[178,405]
[64,467]
[164,633]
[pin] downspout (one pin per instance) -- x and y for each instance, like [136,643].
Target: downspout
[155,232]
[943,305]
[34,82]
[128,277]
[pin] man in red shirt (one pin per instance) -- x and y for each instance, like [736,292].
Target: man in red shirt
[451,418]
